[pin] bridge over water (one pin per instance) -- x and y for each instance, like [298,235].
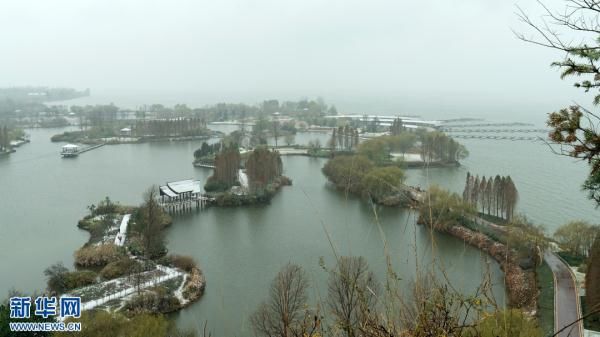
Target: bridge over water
[448,125]
[497,137]
[467,130]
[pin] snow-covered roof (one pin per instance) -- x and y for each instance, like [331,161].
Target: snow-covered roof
[183,186]
[172,189]
[165,190]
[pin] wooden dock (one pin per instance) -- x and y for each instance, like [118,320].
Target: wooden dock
[90,148]
[184,204]
[74,151]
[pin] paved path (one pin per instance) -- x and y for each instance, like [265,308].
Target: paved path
[120,238]
[566,298]
[168,274]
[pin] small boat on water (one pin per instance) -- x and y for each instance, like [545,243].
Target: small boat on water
[69,150]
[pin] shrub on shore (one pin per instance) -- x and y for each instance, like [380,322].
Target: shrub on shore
[97,256]
[347,172]
[214,185]
[183,262]
[60,279]
[79,278]
[194,286]
[381,182]
[118,268]
[359,175]
[443,210]
[510,322]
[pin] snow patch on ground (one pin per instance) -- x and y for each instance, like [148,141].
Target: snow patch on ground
[179,292]
[243,178]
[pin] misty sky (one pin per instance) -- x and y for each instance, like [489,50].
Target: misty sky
[446,50]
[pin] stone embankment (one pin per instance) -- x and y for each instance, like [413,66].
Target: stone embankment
[519,283]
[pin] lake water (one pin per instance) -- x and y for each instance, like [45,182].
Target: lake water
[241,249]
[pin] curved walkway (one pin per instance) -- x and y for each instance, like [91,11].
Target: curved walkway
[566,298]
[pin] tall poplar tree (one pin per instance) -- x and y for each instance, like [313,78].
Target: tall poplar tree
[467,191]
[482,194]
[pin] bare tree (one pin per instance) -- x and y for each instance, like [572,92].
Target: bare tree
[149,224]
[282,314]
[352,293]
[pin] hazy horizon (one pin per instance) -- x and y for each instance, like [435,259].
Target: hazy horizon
[381,56]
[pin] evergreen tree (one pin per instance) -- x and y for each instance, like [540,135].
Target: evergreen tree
[592,279]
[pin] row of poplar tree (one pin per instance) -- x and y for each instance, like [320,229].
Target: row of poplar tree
[344,138]
[496,196]
[4,139]
[170,127]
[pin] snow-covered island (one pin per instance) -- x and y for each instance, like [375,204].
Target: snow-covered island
[125,267]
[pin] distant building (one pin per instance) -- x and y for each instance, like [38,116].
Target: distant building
[126,132]
[69,150]
[383,120]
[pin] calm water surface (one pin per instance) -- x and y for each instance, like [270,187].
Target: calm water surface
[242,249]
